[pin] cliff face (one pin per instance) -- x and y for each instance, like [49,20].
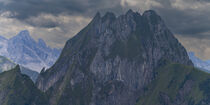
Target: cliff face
[111,60]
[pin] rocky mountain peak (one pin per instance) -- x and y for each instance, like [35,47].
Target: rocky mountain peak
[109,16]
[97,17]
[24,35]
[127,22]
[42,43]
[23,38]
[130,11]
[112,58]
[152,17]
[17,69]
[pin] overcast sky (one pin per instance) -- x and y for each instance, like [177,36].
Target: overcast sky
[55,21]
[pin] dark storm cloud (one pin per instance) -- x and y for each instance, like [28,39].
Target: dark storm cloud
[45,23]
[24,9]
[187,22]
[203,0]
[189,19]
[27,8]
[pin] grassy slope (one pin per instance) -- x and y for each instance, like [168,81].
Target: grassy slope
[18,89]
[6,64]
[171,78]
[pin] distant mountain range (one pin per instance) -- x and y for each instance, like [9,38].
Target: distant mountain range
[199,63]
[24,50]
[6,64]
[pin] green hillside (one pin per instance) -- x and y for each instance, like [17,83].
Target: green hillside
[6,64]
[177,84]
[18,89]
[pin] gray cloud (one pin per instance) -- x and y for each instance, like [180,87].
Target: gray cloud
[53,20]
[189,20]
[192,21]
[27,8]
[46,23]
[199,46]
[57,20]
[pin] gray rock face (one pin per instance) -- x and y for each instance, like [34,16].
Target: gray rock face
[111,60]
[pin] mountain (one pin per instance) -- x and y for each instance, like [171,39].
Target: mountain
[203,65]
[131,59]
[18,89]
[6,64]
[24,50]
[112,61]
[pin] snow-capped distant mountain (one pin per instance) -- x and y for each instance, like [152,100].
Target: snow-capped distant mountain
[24,50]
[202,64]
[6,64]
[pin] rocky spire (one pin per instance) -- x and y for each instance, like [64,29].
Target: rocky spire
[112,60]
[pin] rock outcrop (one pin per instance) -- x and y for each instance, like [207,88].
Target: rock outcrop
[112,60]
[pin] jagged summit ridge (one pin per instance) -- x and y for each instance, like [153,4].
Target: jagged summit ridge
[24,33]
[23,36]
[112,59]
[129,12]
[130,18]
